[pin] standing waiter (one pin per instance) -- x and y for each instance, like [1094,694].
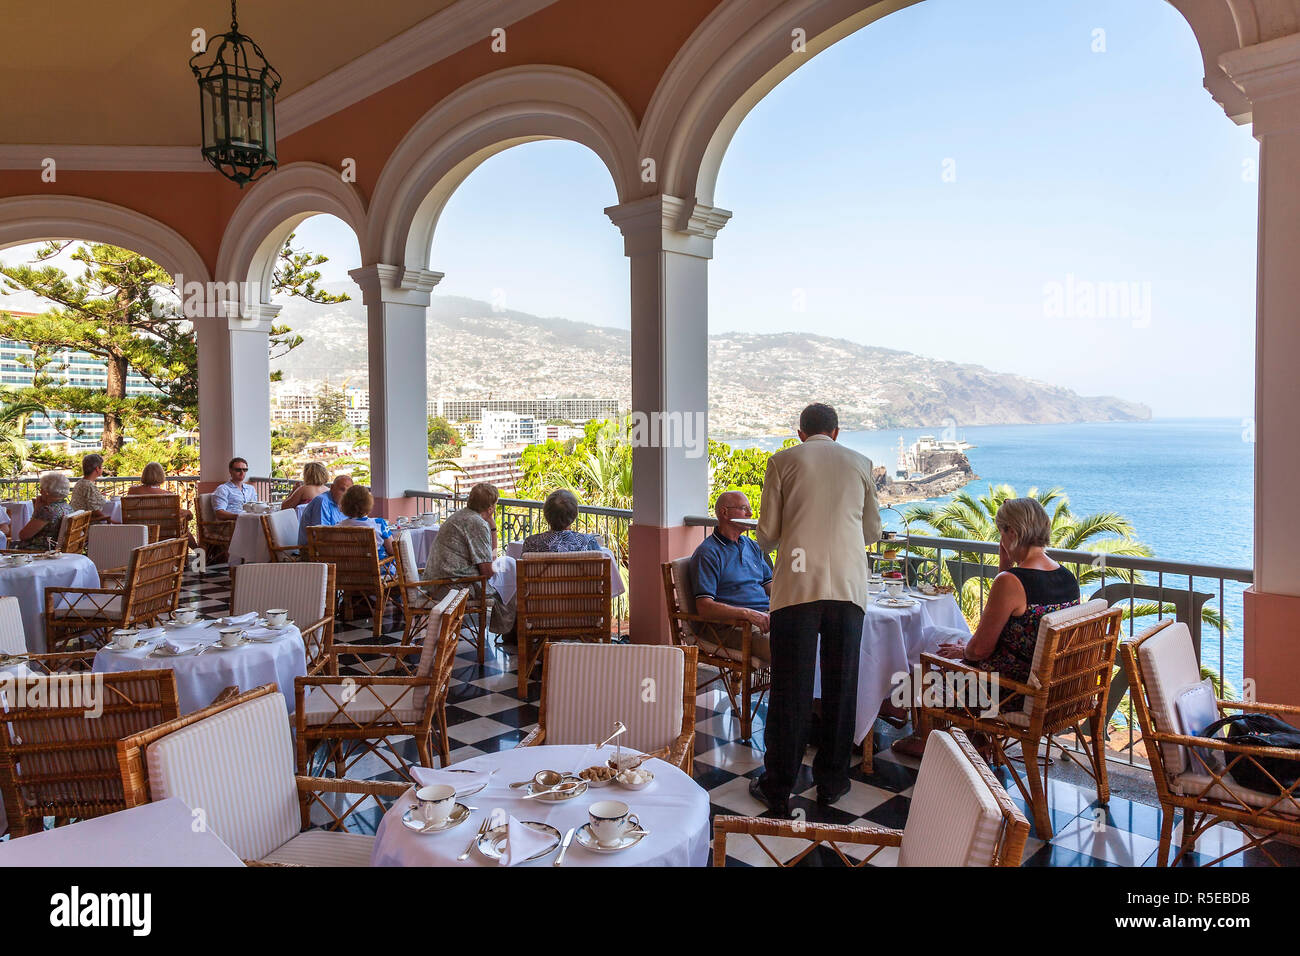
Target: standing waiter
[819,511]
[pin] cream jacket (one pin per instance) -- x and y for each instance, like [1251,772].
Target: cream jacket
[820,514]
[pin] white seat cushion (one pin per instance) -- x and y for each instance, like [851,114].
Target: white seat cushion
[1194,785]
[410,569]
[1056,619]
[366,705]
[1169,668]
[325,848]
[237,769]
[284,527]
[953,819]
[110,545]
[590,686]
[91,604]
[300,588]
[12,639]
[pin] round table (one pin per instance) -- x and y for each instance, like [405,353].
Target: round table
[199,678]
[893,640]
[20,514]
[675,809]
[247,541]
[28,583]
[422,538]
[515,549]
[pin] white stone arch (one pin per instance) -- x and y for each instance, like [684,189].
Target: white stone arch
[274,208]
[503,109]
[744,48]
[26,219]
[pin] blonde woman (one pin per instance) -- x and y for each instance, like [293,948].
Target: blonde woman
[1029,584]
[151,481]
[49,508]
[315,482]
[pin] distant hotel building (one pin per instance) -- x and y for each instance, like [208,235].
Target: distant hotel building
[79,369]
[298,403]
[566,409]
[501,470]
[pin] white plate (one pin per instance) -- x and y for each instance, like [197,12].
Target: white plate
[491,843]
[459,814]
[232,647]
[587,840]
[178,626]
[897,602]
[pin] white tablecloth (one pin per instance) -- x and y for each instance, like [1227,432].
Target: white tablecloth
[20,513]
[114,510]
[675,809]
[28,583]
[422,539]
[247,542]
[503,577]
[515,549]
[200,678]
[893,640]
[156,834]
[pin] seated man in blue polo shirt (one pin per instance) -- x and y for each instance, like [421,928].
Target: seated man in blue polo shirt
[731,575]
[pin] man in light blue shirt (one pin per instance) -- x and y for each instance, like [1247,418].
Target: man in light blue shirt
[324,508]
[230,497]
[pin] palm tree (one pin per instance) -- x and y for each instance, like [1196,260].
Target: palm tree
[15,411]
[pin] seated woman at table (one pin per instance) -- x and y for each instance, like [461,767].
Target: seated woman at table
[357,505]
[1029,585]
[152,480]
[560,511]
[315,482]
[49,508]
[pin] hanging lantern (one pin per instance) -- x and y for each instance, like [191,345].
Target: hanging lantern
[237,88]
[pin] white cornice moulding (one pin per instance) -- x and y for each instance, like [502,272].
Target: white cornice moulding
[446,32]
[163,159]
[1266,70]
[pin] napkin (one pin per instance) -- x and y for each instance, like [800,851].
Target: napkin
[168,646]
[248,618]
[267,634]
[149,633]
[521,841]
[425,777]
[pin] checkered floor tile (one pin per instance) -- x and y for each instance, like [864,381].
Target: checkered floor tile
[485,714]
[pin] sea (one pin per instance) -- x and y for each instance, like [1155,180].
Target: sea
[1187,486]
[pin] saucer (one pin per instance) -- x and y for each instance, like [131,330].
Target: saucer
[491,843]
[587,840]
[567,794]
[459,814]
[178,626]
[231,647]
[897,602]
[48,555]
[122,650]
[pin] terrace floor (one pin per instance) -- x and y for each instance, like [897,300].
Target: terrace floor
[484,714]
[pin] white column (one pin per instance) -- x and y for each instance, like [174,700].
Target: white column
[234,390]
[1269,75]
[669,242]
[397,300]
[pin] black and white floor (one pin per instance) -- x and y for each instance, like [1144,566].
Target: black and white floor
[484,715]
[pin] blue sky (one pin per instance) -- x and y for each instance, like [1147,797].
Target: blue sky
[1070,166]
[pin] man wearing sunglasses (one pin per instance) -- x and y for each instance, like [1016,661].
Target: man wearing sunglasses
[229,499]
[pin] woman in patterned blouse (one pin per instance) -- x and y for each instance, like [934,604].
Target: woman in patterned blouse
[49,508]
[560,510]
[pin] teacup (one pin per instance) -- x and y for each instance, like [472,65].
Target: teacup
[894,588]
[22,559]
[230,636]
[874,583]
[436,803]
[277,616]
[610,820]
[185,615]
[125,638]
[428,521]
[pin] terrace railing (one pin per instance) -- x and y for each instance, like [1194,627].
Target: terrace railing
[517,518]
[1206,597]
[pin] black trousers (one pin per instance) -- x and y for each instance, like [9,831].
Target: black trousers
[789,711]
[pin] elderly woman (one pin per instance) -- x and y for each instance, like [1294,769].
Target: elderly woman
[357,505]
[1029,585]
[560,511]
[49,508]
[315,482]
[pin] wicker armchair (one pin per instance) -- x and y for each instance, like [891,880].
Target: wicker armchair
[214,533]
[356,715]
[54,761]
[569,714]
[280,528]
[306,590]
[560,597]
[150,588]
[478,607]
[1161,663]
[162,512]
[109,548]
[413,594]
[959,815]
[234,761]
[358,572]
[1067,687]
[741,654]
[73,532]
